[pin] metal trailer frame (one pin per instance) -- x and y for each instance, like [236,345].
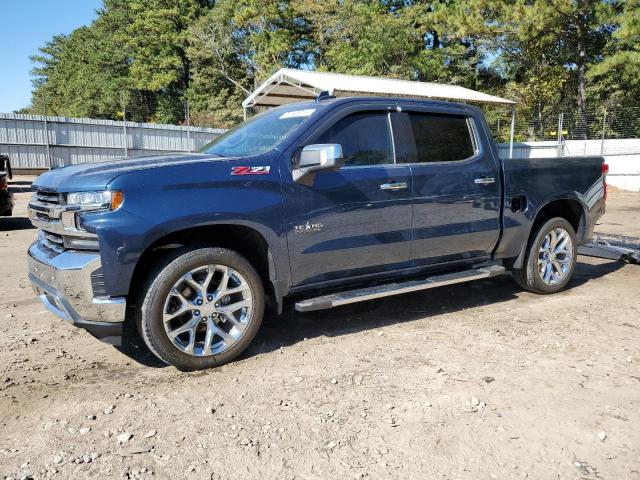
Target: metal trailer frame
[621,251]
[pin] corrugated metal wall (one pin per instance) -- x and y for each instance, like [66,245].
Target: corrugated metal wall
[85,140]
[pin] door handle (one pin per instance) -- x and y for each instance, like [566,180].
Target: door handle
[485,181]
[393,186]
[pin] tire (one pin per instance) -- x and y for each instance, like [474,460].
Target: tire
[530,276]
[172,304]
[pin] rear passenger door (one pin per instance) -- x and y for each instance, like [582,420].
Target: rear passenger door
[456,185]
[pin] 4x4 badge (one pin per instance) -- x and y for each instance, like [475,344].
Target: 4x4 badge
[308,228]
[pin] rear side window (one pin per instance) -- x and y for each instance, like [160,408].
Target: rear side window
[438,138]
[365,138]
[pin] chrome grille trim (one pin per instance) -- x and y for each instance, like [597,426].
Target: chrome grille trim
[49,248]
[47,197]
[52,237]
[47,213]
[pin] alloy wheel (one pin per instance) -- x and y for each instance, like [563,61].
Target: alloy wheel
[207,310]
[555,256]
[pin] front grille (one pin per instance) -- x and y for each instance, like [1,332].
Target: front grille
[51,198]
[53,238]
[58,233]
[51,243]
[43,217]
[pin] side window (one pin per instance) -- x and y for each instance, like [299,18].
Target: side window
[439,138]
[364,136]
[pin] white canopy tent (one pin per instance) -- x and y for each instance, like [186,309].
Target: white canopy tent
[290,85]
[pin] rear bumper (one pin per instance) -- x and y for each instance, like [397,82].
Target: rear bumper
[63,284]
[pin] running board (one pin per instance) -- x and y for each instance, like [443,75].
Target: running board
[379,291]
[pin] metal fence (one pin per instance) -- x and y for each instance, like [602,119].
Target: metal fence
[607,130]
[42,142]
[598,122]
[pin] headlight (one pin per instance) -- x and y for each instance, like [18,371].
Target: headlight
[105,200]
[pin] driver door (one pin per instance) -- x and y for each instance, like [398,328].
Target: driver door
[356,220]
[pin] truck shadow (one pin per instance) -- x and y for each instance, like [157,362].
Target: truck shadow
[292,327]
[8,224]
[19,186]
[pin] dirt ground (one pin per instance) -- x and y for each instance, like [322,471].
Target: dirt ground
[475,381]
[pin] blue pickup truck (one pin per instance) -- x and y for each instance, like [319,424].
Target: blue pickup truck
[325,203]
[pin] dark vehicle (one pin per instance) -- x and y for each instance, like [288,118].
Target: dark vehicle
[6,197]
[328,202]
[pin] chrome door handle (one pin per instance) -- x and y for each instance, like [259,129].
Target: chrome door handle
[393,186]
[485,181]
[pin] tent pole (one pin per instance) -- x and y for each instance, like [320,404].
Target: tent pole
[244,112]
[513,128]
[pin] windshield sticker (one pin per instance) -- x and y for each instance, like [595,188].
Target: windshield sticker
[262,170]
[297,113]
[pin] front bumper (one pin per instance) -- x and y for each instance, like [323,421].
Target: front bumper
[64,285]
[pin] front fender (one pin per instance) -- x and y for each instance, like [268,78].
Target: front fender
[180,198]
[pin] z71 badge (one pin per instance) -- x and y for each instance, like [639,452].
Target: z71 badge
[261,170]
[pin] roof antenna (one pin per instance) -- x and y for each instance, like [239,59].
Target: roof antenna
[324,95]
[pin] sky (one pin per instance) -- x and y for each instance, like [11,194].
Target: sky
[25,26]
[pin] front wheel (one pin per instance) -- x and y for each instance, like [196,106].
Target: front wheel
[202,308]
[550,258]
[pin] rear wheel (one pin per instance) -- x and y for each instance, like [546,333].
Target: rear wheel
[202,308]
[550,259]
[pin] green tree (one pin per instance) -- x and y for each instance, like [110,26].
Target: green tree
[615,81]
[234,47]
[621,59]
[80,75]
[542,48]
[365,38]
[543,53]
[134,47]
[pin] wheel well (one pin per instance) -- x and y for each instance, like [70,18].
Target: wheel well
[570,210]
[244,240]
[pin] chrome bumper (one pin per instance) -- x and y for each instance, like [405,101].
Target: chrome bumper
[63,284]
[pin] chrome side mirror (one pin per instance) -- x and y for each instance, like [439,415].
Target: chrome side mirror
[317,158]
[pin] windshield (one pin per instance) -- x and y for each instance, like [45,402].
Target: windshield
[261,133]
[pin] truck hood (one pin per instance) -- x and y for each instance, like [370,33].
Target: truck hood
[97,176]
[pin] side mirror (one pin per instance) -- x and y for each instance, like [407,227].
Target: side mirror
[317,158]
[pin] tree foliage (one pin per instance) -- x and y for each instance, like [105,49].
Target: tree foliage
[159,53]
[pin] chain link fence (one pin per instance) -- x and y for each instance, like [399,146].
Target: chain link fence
[609,131]
[567,124]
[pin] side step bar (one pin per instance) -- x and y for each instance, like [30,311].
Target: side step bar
[379,291]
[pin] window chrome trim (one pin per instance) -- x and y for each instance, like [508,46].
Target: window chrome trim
[393,140]
[473,133]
